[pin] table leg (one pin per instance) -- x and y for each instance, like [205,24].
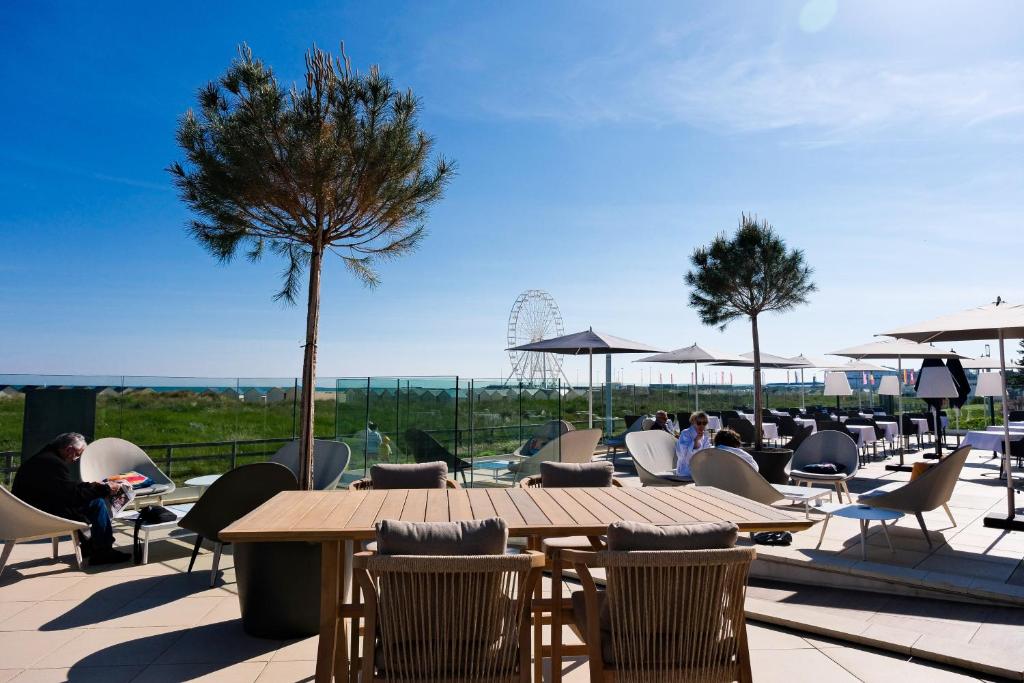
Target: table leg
[863,539]
[341,652]
[556,619]
[824,525]
[885,530]
[330,552]
[534,543]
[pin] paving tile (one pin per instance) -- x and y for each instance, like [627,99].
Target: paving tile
[245,672]
[990,660]
[110,674]
[766,637]
[222,642]
[109,587]
[877,667]
[8,674]
[100,647]
[149,612]
[298,650]
[60,615]
[812,665]
[35,588]
[22,649]
[9,609]
[983,569]
[288,672]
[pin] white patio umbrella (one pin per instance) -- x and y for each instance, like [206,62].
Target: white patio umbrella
[998,320]
[804,362]
[692,354]
[898,349]
[588,342]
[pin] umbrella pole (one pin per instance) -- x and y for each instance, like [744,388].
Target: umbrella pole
[803,404]
[608,394]
[590,391]
[696,389]
[1011,506]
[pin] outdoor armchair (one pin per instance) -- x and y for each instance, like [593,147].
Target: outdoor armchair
[826,447]
[232,496]
[447,618]
[425,448]
[330,460]
[551,429]
[667,615]
[929,491]
[726,471]
[573,447]
[743,427]
[424,475]
[110,456]
[21,522]
[654,455]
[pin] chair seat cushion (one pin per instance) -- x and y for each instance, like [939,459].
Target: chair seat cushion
[565,474]
[475,537]
[427,475]
[704,536]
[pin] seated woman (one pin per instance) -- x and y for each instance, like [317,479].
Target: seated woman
[729,440]
[692,439]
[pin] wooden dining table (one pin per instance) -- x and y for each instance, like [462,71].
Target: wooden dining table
[340,519]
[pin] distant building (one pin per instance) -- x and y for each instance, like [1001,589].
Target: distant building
[277,395]
[253,396]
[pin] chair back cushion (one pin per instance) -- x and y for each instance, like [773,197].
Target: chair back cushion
[566,474]
[475,537]
[625,536]
[427,475]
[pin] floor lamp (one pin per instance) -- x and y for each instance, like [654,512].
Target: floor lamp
[989,386]
[936,382]
[836,384]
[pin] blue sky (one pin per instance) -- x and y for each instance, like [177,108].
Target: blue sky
[597,144]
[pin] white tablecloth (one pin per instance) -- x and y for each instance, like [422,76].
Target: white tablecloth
[892,430]
[714,423]
[989,441]
[922,425]
[806,422]
[865,433]
[770,430]
[999,428]
[1016,424]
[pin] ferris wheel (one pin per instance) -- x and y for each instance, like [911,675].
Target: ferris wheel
[534,316]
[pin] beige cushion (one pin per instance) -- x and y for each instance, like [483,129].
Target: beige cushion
[565,474]
[427,475]
[702,536]
[476,537]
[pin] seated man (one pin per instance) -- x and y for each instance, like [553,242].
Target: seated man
[44,481]
[729,440]
[662,423]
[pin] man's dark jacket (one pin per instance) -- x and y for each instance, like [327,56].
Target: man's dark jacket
[44,481]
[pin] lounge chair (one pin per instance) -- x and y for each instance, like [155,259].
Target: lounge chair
[743,427]
[826,447]
[446,617]
[330,460]
[572,447]
[20,522]
[547,431]
[666,614]
[232,496]
[110,456]
[654,455]
[929,491]
[425,448]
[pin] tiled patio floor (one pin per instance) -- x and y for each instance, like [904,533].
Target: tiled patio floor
[155,623]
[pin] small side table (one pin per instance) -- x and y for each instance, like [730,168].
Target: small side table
[149,529]
[865,514]
[202,482]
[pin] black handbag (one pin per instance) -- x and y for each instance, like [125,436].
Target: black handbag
[151,514]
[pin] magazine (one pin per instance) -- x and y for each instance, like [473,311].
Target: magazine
[120,499]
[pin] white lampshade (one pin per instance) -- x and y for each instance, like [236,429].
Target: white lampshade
[889,386]
[989,384]
[836,384]
[936,382]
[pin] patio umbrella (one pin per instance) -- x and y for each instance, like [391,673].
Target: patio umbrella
[691,354]
[768,360]
[589,342]
[998,320]
[898,349]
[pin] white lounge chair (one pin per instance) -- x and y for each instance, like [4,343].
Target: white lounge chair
[654,454]
[575,446]
[21,522]
[110,456]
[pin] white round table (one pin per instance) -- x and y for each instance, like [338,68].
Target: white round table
[865,514]
[202,482]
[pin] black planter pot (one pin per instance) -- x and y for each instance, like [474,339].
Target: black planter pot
[773,463]
[279,588]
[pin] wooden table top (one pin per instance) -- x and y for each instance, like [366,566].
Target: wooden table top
[351,515]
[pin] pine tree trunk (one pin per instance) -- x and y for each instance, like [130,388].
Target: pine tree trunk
[305,472]
[758,419]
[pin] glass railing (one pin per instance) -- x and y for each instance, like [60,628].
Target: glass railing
[198,425]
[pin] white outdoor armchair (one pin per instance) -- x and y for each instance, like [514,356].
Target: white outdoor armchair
[110,456]
[654,454]
[21,522]
[575,446]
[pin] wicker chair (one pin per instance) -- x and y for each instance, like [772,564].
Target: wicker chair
[425,448]
[665,615]
[416,629]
